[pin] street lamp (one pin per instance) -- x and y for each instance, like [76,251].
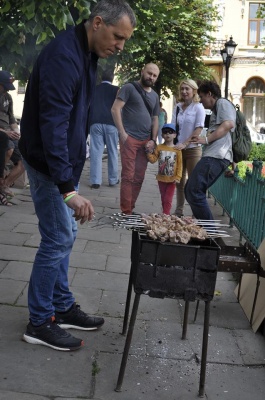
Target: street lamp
[227,55]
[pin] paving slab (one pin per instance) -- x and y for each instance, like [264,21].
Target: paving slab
[222,314]
[119,264]
[227,382]
[18,253]
[11,290]
[13,238]
[91,278]
[88,260]
[26,228]
[34,240]
[251,346]
[7,395]
[17,270]
[121,250]
[3,264]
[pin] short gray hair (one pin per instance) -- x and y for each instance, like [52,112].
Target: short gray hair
[111,11]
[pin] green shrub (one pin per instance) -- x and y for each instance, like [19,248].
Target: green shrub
[242,169]
[257,152]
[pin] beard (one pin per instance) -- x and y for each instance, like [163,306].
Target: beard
[146,82]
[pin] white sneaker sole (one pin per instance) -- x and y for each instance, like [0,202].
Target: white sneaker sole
[32,340]
[67,326]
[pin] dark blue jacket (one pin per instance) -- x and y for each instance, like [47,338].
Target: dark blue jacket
[54,123]
[105,95]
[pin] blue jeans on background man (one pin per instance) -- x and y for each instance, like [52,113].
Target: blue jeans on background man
[48,287]
[205,173]
[101,135]
[159,135]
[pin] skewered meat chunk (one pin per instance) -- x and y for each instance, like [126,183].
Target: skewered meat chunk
[184,237]
[202,234]
[170,227]
[172,237]
[151,234]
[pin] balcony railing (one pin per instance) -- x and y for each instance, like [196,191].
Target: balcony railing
[214,47]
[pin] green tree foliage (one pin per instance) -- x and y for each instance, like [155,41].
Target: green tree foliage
[27,25]
[171,33]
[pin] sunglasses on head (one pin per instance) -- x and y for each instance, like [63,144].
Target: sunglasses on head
[168,131]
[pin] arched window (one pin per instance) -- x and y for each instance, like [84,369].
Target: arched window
[254,102]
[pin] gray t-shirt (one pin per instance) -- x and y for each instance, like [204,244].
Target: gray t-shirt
[220,148]
[136,119]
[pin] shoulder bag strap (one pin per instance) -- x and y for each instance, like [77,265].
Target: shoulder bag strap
[147,105]
[177,125]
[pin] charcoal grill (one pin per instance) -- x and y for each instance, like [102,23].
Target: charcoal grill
[171,270]
[186,272]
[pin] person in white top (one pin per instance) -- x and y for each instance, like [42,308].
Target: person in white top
[188,116]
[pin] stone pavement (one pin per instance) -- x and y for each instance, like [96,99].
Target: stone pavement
[160,365]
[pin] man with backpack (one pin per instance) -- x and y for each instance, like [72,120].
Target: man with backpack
[217,150]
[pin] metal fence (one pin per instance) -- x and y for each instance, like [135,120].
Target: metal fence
[244,202]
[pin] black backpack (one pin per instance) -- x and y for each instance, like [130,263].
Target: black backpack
[241,139]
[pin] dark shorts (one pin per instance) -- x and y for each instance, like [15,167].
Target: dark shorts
[16,155]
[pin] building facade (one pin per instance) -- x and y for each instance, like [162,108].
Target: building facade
[246,83]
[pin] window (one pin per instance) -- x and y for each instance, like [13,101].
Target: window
[256,32]
[254,102]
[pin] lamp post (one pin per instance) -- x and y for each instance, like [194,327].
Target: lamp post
[227,55]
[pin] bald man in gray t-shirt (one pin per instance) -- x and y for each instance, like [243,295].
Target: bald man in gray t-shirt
[136,119]
[137,124]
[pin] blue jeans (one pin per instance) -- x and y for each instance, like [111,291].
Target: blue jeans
[48,286]
[159,135]
[101,135]
[203,176]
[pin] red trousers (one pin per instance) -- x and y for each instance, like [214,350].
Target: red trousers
[167,190]
[134,164]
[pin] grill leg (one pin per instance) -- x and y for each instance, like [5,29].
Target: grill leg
[196,311]
[127,306]
[239,287]
[204,348]
[127,343]
[255,300]
[185,320]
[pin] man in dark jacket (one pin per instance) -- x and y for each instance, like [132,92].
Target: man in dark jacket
[53,144]
[103,132]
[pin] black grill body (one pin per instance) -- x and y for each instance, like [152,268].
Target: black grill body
[167,269]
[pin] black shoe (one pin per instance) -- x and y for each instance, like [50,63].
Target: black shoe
[113,184]
[77,319]
[95,186]
[51,335]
